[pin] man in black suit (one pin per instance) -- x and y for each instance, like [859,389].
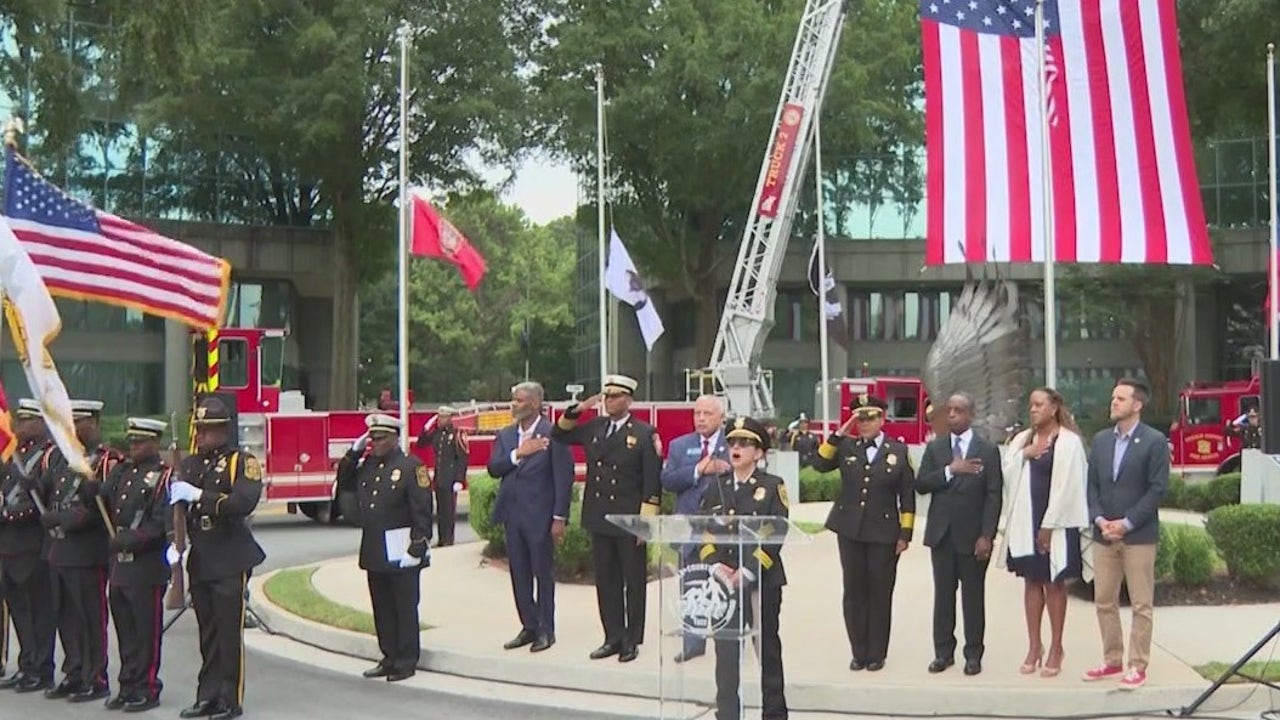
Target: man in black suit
[961,471]
[623,477]
[533,508]
[1127,478]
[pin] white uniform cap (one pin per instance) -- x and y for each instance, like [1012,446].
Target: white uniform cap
[378,422]
[85,408]
[29,408]
[145,428]
[620,382]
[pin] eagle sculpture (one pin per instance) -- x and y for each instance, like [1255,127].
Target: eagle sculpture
[981,350]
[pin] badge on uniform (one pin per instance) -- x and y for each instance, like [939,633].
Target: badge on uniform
[631,441]
[424,477]
[151,478]
[252,469]
[891,460]
[395,475]
[222,466]
[760,493]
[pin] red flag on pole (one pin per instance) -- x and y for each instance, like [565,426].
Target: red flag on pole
[431,235]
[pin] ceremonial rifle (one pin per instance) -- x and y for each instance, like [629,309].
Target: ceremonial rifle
[176,597]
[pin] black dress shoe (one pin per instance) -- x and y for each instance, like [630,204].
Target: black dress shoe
[89,694]
[32,684]
[526,637]
[972,667]
[141,704]
[379,670]
[228,713]
[856,664]
[398,675]
[201,708]
[604,651]
[629,653]
[544,641]
[12,681]
[66,688]
[687,655]
[940,664]
[116,702]
[875,665]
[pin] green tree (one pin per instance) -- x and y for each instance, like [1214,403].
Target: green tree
[692,87]
[1224,45]
[465,345]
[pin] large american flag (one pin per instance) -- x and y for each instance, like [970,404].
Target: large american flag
[88,254]
[1124,180]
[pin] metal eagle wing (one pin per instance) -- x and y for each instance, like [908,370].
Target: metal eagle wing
[981,350]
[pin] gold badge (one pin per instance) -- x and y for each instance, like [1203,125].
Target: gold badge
[222,465]
[395,475]
[252,469]
[200,412]
[892,460]
[151,478]
[782,495]
[424,478]
[740,423]
[863,398]
[759,494]
[631,441]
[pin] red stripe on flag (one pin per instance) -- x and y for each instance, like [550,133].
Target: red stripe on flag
[934,249]
[142,302]
[1015,118]
[1144,130]
[975,152]
[1104,137]
[1063,165]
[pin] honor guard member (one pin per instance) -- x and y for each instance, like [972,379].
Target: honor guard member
[449,445]
[137,496]
[872,518]
[623,477]
[24,572]
[221,486]
[78,559]
[394,494]
[754,574]
[804,442]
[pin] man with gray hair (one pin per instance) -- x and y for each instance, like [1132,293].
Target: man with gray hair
[533,507]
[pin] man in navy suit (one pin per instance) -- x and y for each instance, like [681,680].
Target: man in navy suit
[1128,476]
[693,460]
[533,507]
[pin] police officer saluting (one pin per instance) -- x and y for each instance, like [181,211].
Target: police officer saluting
[623,477]
[872,518]
[137,496]
[755,571]
[78,559]
[394,493]
[221,486]
[24,573]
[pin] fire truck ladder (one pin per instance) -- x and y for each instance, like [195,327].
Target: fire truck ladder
[748,311]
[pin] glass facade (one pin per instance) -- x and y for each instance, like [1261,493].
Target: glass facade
[124,388]
[1234,182]
[261,304]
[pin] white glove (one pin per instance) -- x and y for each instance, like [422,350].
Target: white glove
[360,444]
[457,487]
[172,556]
[430,423]
[409,561]
[183,491]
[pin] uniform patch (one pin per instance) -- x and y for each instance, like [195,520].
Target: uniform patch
[782,495]
[892,460]
[759,494]
[631,441]
[252,469]
[395,475]
[424,477]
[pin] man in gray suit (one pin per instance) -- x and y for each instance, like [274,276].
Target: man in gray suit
[1128,475]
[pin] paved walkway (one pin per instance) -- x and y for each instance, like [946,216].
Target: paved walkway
[468,602]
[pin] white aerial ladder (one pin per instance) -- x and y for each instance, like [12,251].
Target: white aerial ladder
[748,311]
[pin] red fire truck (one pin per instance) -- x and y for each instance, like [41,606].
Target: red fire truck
[300,447]
[905,396]
[1198,437]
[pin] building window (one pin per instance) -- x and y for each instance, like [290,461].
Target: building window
[264,304]
[233,363]
[86,316]
[913,326]
[123,388]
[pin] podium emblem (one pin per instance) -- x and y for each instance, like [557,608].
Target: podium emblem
[707,603]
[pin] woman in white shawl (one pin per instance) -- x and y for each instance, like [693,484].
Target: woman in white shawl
[1045,507]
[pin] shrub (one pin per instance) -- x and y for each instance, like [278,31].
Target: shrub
[1224,490]
[1165,550]
[483,493]
[1247,536]
[819,487]
[1202,497]
[1175,496]
[1193,556]
[573,555]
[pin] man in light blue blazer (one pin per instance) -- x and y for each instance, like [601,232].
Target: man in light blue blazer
[693,460]
[533,507]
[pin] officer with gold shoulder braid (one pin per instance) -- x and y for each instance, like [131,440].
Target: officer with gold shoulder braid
[872,518]
[137,495]
[623,477]
[78,560]
[221,486]
[394,494]
[754,572]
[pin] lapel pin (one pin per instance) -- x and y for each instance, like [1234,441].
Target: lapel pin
[1136,441]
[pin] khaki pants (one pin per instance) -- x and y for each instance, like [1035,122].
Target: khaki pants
[1136,566]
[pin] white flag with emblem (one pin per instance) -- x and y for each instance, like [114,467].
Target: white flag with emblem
[622,279]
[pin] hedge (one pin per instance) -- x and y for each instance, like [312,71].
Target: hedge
[1247,536]
[1202,497]
[819,487]
[1185,554]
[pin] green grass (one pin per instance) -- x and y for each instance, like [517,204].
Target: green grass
[293,591]
[1268,670]
[813,528]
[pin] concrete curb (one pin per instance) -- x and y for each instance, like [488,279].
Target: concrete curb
[854,698]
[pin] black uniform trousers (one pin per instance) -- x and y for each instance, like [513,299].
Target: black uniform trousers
[952,567]
[870,571]
[395,597]
[729,657]
[620,566]
[80,604]
[138,612]
[446,510]
[4,635]
[28,594]
[220,606]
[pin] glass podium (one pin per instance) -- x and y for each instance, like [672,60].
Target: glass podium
[705,609]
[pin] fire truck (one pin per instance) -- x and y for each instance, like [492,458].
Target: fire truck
[906,397]
[1198,438]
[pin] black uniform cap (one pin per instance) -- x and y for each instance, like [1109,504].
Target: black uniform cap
[751,429]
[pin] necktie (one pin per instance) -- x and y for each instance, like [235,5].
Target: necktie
[956,450]
[609,431]
[705,448]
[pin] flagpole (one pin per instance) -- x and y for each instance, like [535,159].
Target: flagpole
[600,247]
[403,249]
[1273,274]
[823,339]
[1050,291]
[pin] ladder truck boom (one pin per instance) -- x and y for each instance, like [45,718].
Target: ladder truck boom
[748,310]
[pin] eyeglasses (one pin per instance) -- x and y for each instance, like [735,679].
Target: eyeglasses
[741,442]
